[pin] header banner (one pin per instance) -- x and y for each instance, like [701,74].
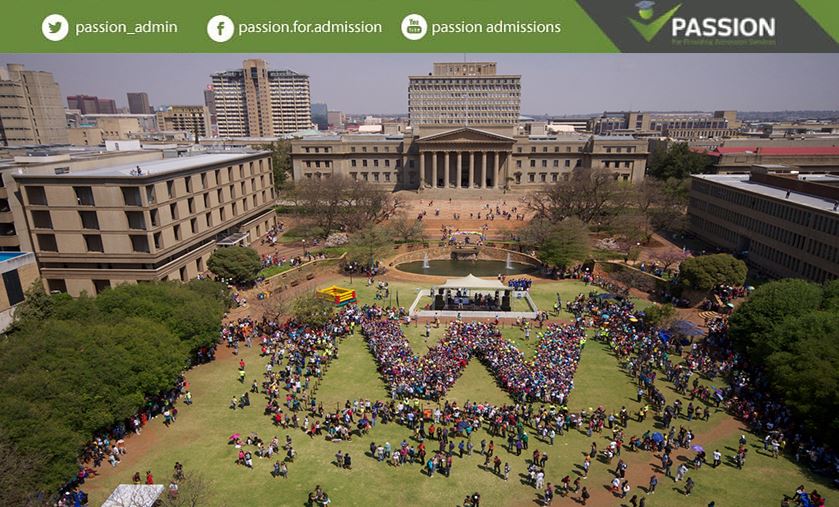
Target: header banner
[377,26]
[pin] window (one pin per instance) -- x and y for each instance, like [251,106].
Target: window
[150,196]
[208,219]
[93,242]
[136,219]
[217,174]
[219,196]
[173,211]
[84,196]
[140,243]
[157,240]
[89,220]
[193,225]
[207,201]
[41,219]
[170,189]
[46,242]
[222,214]
[203,181]
[177,230]
[188,182]
[56,286]
[131,196]
[155,217]
[190,205]
[101,285]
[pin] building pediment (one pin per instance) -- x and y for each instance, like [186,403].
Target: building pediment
[466,135]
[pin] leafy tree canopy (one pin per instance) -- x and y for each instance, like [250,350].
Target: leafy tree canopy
[85,364]
[707,271]
[312,310]
[239,264]
[676,161]
[566,244]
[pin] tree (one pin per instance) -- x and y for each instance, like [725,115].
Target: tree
[752,325]
[707,271]
[677,161]
[37,305]
[280,161]
[341,203]
[368,244]
[568,243]
[193,491]
[239,264]
[663,202]
[311,310]
[406,228]
[587,196]
[131,341]
[660,315]
[669,257]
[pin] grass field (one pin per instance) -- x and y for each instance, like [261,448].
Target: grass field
[198,440]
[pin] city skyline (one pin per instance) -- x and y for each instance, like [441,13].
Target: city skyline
[551,83]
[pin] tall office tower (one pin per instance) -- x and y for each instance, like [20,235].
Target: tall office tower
[255,101]
[467,93]
[31,110]
[320,115]
[192,119]
[210,102]
[89,104]
[138,103]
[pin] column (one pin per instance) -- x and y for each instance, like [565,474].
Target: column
[421,169]
[434,156]
[495,171]
[471,169]
[482,179]
[458,174]
[446,180]
[506,164]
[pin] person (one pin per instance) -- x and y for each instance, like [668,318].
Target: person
[717,458]
[347,461]
[506,471]
[585,495]
[680,472]
[149,478]
[688,486]
[136,479]
[653,484]
[276,472]
[549,495]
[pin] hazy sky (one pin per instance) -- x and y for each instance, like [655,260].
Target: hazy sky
[551,83]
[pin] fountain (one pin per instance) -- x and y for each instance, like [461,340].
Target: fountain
[425,264]
[509,264]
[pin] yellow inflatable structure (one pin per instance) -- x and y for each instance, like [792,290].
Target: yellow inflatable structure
[340,296]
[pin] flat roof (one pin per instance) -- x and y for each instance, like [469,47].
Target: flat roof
[742,182]
[155,167]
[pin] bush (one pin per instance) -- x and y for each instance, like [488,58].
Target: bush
[240,265]
[312,310]
[707,271]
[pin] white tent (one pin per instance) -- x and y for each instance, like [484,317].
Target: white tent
[134,495]
[472,282]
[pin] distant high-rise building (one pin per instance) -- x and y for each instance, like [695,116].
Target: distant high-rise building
[210,102]
[335,119]
[466,93]
[138,103]
[258,102]
[31,111]
[89,104]
[320,115]
[190,119]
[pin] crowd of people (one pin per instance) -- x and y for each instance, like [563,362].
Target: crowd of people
[547,377]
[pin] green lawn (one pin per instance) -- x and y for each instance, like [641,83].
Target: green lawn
[274,270]
[198,439]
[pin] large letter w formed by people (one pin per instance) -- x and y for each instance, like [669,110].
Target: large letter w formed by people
[547,377]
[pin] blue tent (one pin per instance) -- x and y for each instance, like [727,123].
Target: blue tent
[686,328]
[664,335]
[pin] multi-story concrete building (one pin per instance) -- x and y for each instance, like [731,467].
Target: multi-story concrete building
[210,102]
[106,128]
[89,104]
[674,125]
[335,119]
[31,111]
[782,223]
[320,115]
[193,119]
[730,159]
[464,94]
[465,158]
[156,220]
[258,102]
[138,103]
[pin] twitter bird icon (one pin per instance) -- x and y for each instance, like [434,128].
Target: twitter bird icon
[55,27]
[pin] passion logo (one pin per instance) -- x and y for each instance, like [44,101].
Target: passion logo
[648,26]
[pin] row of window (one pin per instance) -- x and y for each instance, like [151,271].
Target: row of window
[751,224]
[772,208]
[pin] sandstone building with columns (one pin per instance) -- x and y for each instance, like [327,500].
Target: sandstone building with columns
[464,135]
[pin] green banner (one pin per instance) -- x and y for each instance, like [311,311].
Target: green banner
[474,26]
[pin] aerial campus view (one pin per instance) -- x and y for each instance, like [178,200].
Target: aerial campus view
[353,280]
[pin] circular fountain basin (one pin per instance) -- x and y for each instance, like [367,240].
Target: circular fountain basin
[463,267]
